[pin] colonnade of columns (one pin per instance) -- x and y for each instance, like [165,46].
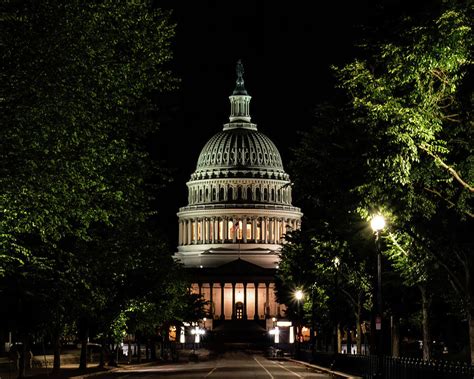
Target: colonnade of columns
[206,230]
[239,306]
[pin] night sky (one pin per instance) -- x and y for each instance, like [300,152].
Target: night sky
[287,49]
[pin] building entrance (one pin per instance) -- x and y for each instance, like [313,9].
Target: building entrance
[239,310]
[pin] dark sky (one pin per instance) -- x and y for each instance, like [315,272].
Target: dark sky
[287,49]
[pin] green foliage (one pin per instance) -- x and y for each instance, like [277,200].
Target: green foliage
[408,98]
[76,179]
[77,79]
[398,143]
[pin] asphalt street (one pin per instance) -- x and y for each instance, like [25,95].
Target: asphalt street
[226,366]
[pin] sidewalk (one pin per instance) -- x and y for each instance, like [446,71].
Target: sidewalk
[334,374]
[71,371]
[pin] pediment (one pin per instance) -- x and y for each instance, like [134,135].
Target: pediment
[240,266]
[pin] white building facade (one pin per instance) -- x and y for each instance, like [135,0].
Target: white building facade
[239,210]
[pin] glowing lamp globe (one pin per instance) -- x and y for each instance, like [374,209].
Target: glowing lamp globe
[377,223]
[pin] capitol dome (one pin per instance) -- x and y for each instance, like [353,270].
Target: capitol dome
[240,151]
[239,196]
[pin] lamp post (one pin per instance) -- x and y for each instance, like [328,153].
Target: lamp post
[313,321]
[337,263]
[298,296]
[377,224]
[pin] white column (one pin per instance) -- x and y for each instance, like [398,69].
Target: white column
[272,231]
[213,234]
[180,233]
[264,229]
[206,234]
[277,231]
[254,228]
[244,229]
[226,228]
[202,230]
[234,240]
[195,229]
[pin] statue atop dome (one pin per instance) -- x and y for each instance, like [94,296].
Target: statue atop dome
[239,84]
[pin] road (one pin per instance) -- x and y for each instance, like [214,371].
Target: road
[226,366]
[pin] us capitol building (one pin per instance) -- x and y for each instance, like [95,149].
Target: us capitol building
[239,209]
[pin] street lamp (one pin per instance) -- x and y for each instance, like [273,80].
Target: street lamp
[197,332]
[298,296]
[377,223]
[337,263]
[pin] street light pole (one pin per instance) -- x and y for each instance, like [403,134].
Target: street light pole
[378,223]
[313,322]
[299,296]
[337,263]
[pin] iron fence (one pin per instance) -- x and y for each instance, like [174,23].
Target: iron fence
[369,366]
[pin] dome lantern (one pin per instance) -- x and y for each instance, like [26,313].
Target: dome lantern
[240,99]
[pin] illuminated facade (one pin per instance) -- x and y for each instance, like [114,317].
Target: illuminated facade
[239,209]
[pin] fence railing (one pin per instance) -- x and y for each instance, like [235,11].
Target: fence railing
[369,366]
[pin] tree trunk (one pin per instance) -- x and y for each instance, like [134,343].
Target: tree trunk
[470,325]
[22,360]
[153,349]
[339,339]
[139,352]
[349,341]
[425,311]
[84,342]
[56,353]
[358,327]
[395,331]
[103,346]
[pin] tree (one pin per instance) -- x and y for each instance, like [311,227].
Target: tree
[76,106]
[411,98]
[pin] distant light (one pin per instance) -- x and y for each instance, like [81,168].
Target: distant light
[299,295]
[274,319]
[181,335]
[277,266]
[200,266]
[377,223]
[337,262]
[204,319]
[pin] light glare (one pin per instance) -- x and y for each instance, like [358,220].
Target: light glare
[377,223]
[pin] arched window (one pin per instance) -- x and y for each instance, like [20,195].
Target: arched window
[214,194]
[221,194]
[207,194]
[265,194]
[200,195]
[230,194]
[239,193]
[249,194]
[272,195]
[258,195]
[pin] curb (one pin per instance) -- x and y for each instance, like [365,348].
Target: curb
[97,373]
[326,370]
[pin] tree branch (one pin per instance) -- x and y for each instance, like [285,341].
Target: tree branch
[451,204]
[451,170]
